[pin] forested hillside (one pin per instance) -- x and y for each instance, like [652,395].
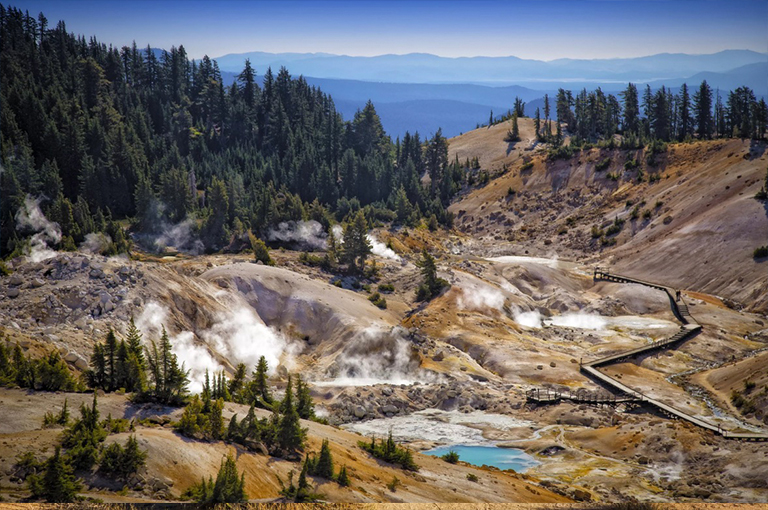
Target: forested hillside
[94,134]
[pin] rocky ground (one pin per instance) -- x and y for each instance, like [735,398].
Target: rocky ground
[516,317]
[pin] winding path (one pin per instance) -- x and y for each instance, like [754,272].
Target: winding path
[688,329]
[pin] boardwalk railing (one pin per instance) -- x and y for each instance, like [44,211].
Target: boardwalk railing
[689,328]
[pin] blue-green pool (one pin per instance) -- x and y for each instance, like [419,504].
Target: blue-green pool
[502,458]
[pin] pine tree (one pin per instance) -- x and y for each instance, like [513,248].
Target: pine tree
[685,130]
[97,375]
[59,484]
[343,477]
[431,285]
[537,125]
[237,384]
[324,466]
[110,356]
[356,245]
[304,405]
[260,385]
[216,419]
[702,106]
[631,112]
[169,380]
[290,434]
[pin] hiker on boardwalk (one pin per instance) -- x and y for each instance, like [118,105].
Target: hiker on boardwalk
[677,295]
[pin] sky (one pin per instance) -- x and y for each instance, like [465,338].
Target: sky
[533,29]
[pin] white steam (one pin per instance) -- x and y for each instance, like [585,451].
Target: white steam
[181,237]
[338,233]
[239,336]
[308,234]
[30,217]
[242,337]
[196,358]
[381,249]
[480,297]
[95,243]
[530,319]
[376,356]
[577,320]
[377,247]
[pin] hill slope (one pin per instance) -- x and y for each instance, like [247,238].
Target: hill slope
[695,227]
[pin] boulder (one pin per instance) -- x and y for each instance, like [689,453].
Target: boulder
[359,412]
[71,357]
[12,292]
[581,495]
[81,364]
[15,280]
[36,283]
[256,447]
[389,409]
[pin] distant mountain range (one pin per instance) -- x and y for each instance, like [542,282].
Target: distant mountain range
[427,68]
[425,92]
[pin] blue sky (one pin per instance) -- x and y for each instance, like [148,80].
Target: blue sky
[537,29]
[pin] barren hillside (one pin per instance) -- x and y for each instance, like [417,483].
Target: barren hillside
[689,219]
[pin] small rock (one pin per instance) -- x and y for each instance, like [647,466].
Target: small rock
[12,292]
[15,280]
[36,283]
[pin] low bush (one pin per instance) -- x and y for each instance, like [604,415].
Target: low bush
[451,457]
[603,164]
[378,300]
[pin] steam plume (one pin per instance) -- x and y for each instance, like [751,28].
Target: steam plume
[30,217]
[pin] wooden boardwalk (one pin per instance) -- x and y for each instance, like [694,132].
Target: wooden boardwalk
[688,329]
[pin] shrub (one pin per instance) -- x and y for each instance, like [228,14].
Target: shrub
[562,152]
[510,192]
[260,250]
[749,385]
[394,484]
[631,164]
[122,462]
[229,487]
[309,259]
[760,252]
[386,287]
[343,477]
[647,214]
[603,164]
[431,285]
[526,166]
[391,452]
[613,176]
[597,232]
[378,300]
[472,477]
[451,457]
[615,228]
